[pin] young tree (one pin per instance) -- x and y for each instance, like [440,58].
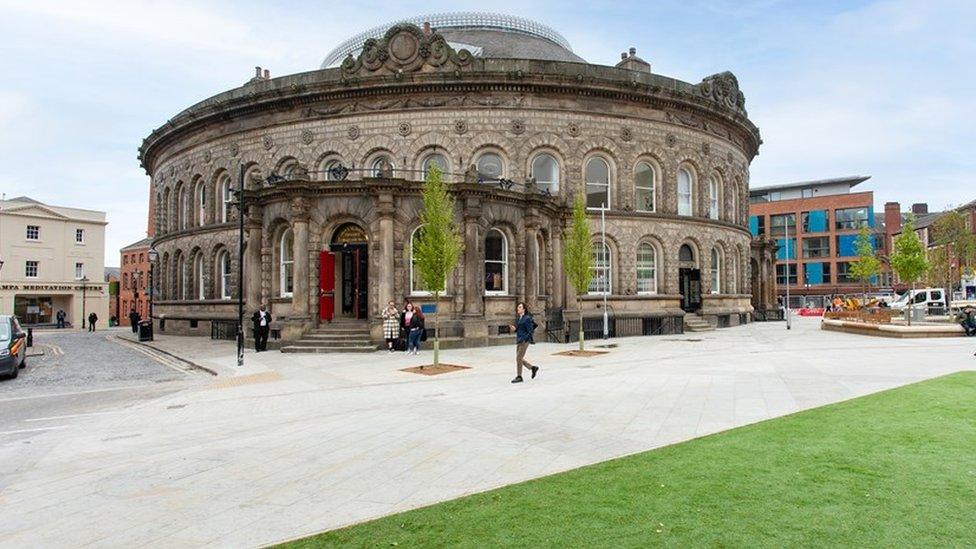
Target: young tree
[908,259]
[578,257]
[867,266]
[955,249]
[439,243]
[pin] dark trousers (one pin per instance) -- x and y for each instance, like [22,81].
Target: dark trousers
[135,327]
[970,328]
[261,338]
[60,323]
[413,339]
[91,326]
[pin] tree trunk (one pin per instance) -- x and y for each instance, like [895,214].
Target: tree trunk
[911,303]
[437,332]
[579,307]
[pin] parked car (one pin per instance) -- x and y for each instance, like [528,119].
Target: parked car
[13,346]
[921,298]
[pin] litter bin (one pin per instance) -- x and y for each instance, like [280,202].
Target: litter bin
[145,330]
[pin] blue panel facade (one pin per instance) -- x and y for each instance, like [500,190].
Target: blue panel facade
[814,273]
[754,225]
[817,221]
[845,245]
[787,249]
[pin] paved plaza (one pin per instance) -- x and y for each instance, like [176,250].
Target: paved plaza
[291,445]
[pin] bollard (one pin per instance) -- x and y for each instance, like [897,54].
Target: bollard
[30,337]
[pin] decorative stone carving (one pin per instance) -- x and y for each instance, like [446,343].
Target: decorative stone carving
[405,48]
[626,134]
[460,127]
[404,129]
[268,142]
[298,208]
[235,149]
[385,170]
[706,148]
[207,157]
[308,137]
[671,140]
[728,156]
[471,174]
[574,129]
[186,165]
[353,132]
[723,88]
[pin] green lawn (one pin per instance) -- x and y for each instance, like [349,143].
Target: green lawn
[893,469]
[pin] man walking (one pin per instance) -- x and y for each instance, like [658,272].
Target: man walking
[524,328]
[262,326]
[92,319]
[134,320]
[60,316]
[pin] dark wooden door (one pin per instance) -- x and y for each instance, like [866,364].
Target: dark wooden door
[690,284]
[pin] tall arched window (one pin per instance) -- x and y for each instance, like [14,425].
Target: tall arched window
[224,274]
[181,209]
[685,197]
[286,264]
[644,187]
[435,159]
[716,271]
[646,269]
[417,286]
[181,278]
[198,276]
[491,166]
[714,197]
[545,170]
[602,269]
[201,200]
[496,263]
[227,198]
[597,184]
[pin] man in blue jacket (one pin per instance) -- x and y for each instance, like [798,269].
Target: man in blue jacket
[524,327]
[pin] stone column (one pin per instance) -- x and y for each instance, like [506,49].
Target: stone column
[385,250]
[300,296]
[474,286]
[252,260]
[531,267]
[558,277]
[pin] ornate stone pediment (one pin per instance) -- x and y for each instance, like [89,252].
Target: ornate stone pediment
[724,89]
[405,48]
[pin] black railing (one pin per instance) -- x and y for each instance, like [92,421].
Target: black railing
[628,326]
[555,326]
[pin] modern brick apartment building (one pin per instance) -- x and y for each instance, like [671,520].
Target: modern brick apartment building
[821,219]
[134,283]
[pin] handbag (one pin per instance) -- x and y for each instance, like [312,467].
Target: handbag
[423,334]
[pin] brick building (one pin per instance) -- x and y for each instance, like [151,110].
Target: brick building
[134,280]
[821,220]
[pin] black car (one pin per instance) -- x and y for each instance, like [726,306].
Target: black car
[13,346]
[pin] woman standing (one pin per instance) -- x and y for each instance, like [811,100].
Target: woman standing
[524,328]
[413,323]
[391,324]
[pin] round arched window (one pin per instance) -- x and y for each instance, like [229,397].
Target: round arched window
[435,159]
[490,166]
[685,253]
[376,166]
[597,183]
[545,170]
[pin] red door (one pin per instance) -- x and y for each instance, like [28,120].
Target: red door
[326,286]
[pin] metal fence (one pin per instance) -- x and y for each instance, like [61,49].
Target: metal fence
[624,327]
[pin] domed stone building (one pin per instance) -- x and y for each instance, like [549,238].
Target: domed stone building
[333,161]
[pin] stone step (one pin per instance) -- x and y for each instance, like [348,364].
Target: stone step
[328,349]
[336,336]
[331,343]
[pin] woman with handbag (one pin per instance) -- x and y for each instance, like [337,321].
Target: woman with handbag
[524,327]
[413,323]
[391,325]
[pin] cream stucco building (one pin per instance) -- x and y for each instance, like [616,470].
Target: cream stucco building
[53,258]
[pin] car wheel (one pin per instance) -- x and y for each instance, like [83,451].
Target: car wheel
[14,373]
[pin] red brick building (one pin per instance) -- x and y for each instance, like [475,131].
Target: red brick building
[134,280]
[815,224]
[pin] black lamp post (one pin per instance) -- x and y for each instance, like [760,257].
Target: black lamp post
[84,289]
[239,192]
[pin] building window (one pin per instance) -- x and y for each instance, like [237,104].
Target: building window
[757,225]
[376,167]
[417,286]
[644,187]
[490,166]
[646,269]
[433,159]
[597,184]
[602,270]
[198,276]
[685,254]
[181,205]
[201,203]
[142,258]
[545,170]
[33,232]
[806,193]
[816,273]
[814,221]
[844,275]
[328,168]
[223,269]
[850,218]
[713,197]
[286,265]
[847,244]
[816,247]
[228,199]
[30,269]
[79,236]
[125,281]
[181,282]
[684,192]
[786,248]
[496,263]
[79,271]
[780,224]
[781,269]
[716,271]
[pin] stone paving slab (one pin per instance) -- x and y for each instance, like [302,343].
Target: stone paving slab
[317,442]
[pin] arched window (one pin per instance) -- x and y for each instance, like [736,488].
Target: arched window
[496,263]
[417,286]
[545,170]
[490,166]
[181,209]
[716,271]
[224,273]
[287,168]
[597,184]
[327,168]
[125,281]
[644,187]
[685,254]
[432,159]
[646,269]
[714,197]
[181,278]
[201,200]
[227,198]
[684,192]
[602,270]
[376,166]
[286,264]
[198,276]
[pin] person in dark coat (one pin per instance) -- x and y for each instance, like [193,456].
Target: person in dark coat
[92,319]
[134,320]
[968,321]
[524,328]
[262,327]
[60,316]
[413,324]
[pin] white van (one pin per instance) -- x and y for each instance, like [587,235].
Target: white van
[922,298]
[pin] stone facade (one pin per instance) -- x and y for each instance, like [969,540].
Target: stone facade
[409,96]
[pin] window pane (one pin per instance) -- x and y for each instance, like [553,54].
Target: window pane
[490,166]
[601,269]
[597,184]
[816,247]
[646,269]
[493,246]
[644,186]
[851,218]
[494,276]
[437,159]
[780,224]
[684,192]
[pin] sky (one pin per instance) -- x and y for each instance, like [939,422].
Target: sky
[881,88]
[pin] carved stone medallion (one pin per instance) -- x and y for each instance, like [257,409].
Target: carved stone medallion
[207,157]
[353,132]
[308,137]
[404,128]
[671,140]
[460,127]
[706,148]
[235,149]
[268,142]
[626,134]
[574,129]
[518,127]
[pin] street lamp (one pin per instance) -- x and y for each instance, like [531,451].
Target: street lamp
[84,289]
[239,192]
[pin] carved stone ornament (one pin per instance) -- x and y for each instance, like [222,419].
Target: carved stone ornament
[268,142]
[518,127]
[207,157]
[405,48]
[308,137]
[298,208]
[404,129]
[574,129]
[172,171]
[186,165]
[706,148]
[724,89]
[353,132]
[460,127]
[728,156]
[626,134]
[235,149]
[671,140]
[471,174]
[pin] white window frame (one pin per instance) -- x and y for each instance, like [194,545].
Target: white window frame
[198,271]
[224,270]
[181,283]
[597,268]
[638,187]
[227,199]
[37,233]
[552,186]
[714,198]
[286,267]
[79,270]
[587,184]
[503,262]
[36,267]
[644,265]
[79,236]
[716,269]
[686,199]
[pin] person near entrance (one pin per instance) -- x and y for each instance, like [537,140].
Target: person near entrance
[134,320]
[524,328]
[391,325]
[413,323]
[60,316]
[262,326]
[92,319]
